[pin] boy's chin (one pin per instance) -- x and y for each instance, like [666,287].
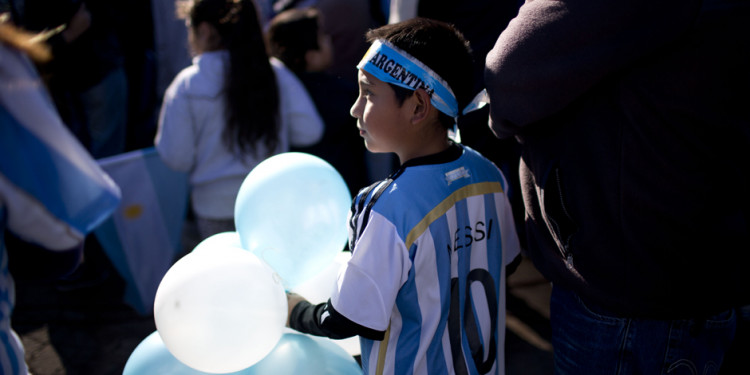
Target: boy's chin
[375,149]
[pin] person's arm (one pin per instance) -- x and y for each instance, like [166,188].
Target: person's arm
[324,320]
[556,50]
[79,23]
[402,10]
[366,289]
[175,137]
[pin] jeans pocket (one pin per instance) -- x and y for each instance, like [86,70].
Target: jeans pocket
[585,339]
[599,313]
[724,319]
[698,346]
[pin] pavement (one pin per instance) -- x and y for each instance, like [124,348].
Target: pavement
[82,327]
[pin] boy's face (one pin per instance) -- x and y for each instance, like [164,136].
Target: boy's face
[381,121]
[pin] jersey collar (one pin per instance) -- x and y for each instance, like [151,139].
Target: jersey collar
[452,153]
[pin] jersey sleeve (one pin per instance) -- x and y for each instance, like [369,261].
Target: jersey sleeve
[366,288]
[368,284]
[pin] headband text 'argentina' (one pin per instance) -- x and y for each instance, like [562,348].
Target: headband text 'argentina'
[390,64]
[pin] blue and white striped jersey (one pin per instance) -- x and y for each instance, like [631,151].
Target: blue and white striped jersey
[11,349]
[429,249]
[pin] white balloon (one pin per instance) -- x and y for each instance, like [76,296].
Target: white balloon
[223,239]
[220,311]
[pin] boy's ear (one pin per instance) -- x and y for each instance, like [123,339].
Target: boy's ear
[422,105]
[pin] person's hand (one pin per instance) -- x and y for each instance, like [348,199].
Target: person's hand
[292,300]
[78,24]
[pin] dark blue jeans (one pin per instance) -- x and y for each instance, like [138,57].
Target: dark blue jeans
[589,340]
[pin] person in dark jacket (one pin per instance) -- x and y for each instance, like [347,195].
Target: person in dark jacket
[635,135]
[86,77]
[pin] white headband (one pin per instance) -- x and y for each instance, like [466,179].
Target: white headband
[390,64]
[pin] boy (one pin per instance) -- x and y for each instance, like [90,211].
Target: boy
[425,287]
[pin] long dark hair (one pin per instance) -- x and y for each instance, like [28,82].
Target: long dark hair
[252,98]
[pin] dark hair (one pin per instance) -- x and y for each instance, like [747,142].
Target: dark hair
[291,34]
[438,45]
[252,98]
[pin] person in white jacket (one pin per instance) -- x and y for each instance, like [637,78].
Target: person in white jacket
[230,110]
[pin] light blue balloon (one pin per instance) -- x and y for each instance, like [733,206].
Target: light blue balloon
[151,357]
[338,361]
[298,353]
[291,211]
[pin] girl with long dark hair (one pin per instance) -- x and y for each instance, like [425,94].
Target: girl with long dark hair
[229,110]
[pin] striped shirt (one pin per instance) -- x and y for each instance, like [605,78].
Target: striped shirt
[429,247]
[11,349]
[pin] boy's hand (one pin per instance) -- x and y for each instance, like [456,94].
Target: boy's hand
[292,300]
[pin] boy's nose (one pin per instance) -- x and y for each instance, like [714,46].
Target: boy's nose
[354,110]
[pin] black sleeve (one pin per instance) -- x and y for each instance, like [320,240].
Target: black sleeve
[511,267]
[324,320]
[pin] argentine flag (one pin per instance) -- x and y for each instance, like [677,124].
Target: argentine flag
[45,172]
[142,238]
[52,193]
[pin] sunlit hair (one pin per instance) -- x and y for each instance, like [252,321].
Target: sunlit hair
[438,45]
[252,99]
